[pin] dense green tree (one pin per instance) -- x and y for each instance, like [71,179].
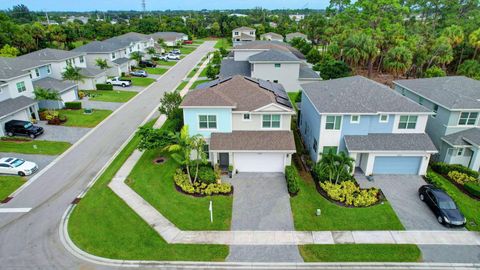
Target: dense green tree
[470,68]
[435,72]
[398,60]
[9,51]
[333,69]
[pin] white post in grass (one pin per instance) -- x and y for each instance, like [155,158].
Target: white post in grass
[210,208]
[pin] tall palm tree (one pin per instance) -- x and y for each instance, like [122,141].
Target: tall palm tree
[474,40]
[102,63]
[344,164]
[398,60]
[361,48]
[72,73]
[151,51]
[137,56]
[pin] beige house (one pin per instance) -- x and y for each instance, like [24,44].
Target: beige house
[243,35]
[270,36]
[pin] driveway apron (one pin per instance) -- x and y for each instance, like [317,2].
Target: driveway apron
[261,202]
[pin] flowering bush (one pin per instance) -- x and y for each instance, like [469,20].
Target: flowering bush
[181,180]
[349,193]
[461,178]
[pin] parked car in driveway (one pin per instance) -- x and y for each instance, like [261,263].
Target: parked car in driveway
[173,57]
[147,64]
[10,165]
[23,128]
[161,57]
[139,73]
[188,42]
[442,206]
[176,51]
[119,82]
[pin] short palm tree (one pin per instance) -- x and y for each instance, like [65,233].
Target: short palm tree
[137,56]
[474,40]
[151,51]
[46,94]
[73,73]
[398,60]
[101,63]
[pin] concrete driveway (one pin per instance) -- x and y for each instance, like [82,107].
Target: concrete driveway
[402,192]
[41,160]
[61,133]
[261,202]
[132,88]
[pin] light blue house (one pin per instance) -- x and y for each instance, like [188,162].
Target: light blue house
[383,131]
[245,123]
[454,125]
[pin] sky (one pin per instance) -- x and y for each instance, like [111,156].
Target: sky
[90,5]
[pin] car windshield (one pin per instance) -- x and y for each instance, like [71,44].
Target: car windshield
[28,125]
[447,205]
[17,162]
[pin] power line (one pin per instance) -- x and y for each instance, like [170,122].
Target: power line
[144,6]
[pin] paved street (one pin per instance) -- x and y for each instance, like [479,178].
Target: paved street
[31,240]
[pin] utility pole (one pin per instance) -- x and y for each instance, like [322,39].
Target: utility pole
[48,20]
[144,6]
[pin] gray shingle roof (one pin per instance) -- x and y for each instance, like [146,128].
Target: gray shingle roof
[253,141]
[112,44]
[91,72]
[454,92]
[12,105]
[307,73]
[358,94]
[464,138]
[268,45]
[390,142]
[121,60]
[244,28]
[50,55]
[230,67]
[8,71]
[54,84]
[167,36]
[272,35]
[273,56]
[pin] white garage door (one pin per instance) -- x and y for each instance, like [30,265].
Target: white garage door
[259,162]
[21,115]
[69,96]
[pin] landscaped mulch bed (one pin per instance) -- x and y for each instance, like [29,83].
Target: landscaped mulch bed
[460,187]
[381,197]
[196,195]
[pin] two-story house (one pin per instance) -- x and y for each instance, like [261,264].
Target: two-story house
[245,122]
[242,35]
[170,39]
[289,37]
[382,130]
[454,122]
[270,36]
[116,51]
[272,61]
[16,96]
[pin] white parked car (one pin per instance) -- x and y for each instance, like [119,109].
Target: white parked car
[10,165]
[173,57]
[119,82]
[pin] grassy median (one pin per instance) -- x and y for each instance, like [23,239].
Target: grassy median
[8,184]
[34,147]
[77,118]
[110,96]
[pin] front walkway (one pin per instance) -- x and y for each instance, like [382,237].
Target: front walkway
[261,203]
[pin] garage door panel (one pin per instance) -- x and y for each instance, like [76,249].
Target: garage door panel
[259,162]
[396,165]
[69,96]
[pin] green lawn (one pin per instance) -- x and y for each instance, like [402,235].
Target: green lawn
[36,147]
[361,253]
[192,72]
[182,85]
[157,71]
[137,81]
[8,184]
[203,73]
[469,207]
[293,96]
[166,63]
[223,43]
[103,225]
[77,118]
[196,83]
[335,217]
[187,50]
[110,96]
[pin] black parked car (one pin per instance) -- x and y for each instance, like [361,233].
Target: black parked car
[442,206]
[25,128]
[147,64]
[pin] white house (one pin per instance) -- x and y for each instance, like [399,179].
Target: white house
[289,37]
[270,36]
[170,39]
[243,35]
[296,17]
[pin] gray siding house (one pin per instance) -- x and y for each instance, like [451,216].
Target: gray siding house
[454,126]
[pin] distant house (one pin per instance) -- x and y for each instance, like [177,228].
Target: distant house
[380,129]
[296,17]
[273,24]
[245,122]
[291,36]
[270,36]
[171,39]
[237,15]
[454,124]
[243,35]
[83,19]
[273,61]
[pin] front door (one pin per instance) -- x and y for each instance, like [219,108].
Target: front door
[223,160]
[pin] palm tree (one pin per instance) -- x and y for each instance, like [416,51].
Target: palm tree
[344,164]
[137,56]
[398,60]
[198,143]
[442,52]
[327,164]
[46,94]
[162,43]
[72,73]
[474,40]
[101,63]
[151,51]
[361,48]
[456,37]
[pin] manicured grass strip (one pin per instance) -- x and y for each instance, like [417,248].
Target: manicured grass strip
[293,96]
[196,83]
[36,147]
[187,50]
[360,253]
[110,96]
[469,207]
[223,43]
[166,63]
[186,212]
[77,118]
[136,81]
[103,225]
[157,71]
[335,217]
[203,73]
[192,72]
[8,184]
[182,85]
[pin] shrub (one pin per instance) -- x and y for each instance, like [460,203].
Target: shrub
[461,178]
[349,193]
[444,168]
[181,180]
[291,174]
[104,86]
[206,174]
[81,94]
[473,188]
[435,180]
[74,105]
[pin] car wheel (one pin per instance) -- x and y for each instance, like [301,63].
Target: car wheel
[440,219]
[422,198]
[32,136]
[124,85]
[109,83]
[21,173]
[10,134]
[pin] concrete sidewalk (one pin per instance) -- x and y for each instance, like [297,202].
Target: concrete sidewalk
[173,235]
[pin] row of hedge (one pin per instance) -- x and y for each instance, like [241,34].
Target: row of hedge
[104,86]
[183,182]
[292,176]
[444,168]
[74,105]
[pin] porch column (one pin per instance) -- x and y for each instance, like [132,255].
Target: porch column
[35,111]
[475,159]
[354,156]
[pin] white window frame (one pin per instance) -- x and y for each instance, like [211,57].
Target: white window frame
[355,121]
[49,70]
[113,55]
[271,121]
[247,119]
[383,121]
[23,89]
[235,33]
[37,72]
[335,117]
[81,60]
[435,111]
[467,119]
[277,65]
[460,151]
[409,121]
[208,128]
